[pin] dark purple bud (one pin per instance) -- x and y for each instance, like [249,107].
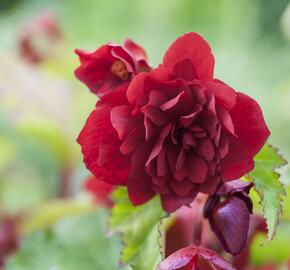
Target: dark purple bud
[229,212]
[234,186]
[230,221]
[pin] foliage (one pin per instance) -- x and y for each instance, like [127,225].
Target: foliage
[78,242]
[268,186]
[34,153]
[140,230]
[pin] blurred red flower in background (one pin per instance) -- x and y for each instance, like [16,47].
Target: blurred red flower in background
[100,191]
[38,37]
[175,130]
[8,237]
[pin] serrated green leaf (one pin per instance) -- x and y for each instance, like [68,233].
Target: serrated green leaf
[268,186]
[75,243]
[140,230]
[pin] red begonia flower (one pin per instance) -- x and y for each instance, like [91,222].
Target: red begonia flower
[100,190]
[229,212]
[110,66]
[180,131]
[197,258]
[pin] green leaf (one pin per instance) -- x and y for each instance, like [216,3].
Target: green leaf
[268,186]
[140,230]
[75,243]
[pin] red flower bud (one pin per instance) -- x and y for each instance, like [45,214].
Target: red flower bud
[111,66]
[197,258]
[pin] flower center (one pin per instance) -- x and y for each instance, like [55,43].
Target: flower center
[178,134]
[119,69]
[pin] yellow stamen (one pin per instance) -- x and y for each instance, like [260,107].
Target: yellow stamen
[119,69]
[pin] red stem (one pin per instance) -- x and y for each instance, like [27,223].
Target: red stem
[198,226]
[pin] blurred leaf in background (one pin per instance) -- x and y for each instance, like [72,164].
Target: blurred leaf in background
[139,227]
[74,243]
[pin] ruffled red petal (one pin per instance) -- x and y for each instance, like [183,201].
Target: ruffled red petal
[172,202]
[94,70]
[178,259]
[100,147]
[120,53]
[122,120]
[192,257]
[139,183]
[225,96]
[138,52]
[251,134]
[143,84]
[190,57]
[215,259]
[116,96]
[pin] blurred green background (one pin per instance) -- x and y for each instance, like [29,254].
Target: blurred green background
[43,107]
